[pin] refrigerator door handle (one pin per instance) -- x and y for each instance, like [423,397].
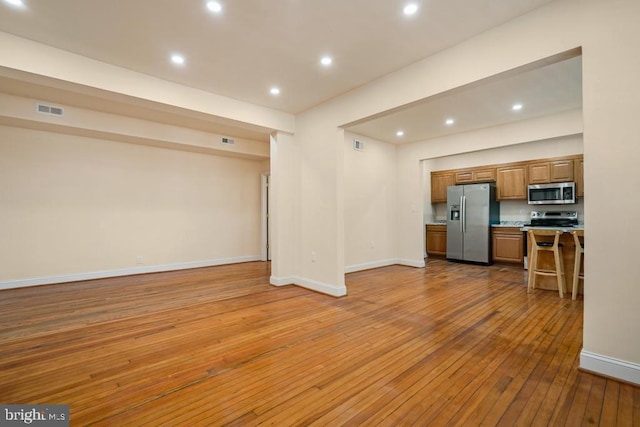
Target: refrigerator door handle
[463,214]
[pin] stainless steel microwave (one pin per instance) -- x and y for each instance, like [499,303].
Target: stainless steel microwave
[559,193]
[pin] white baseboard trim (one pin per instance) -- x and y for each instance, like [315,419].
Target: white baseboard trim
[323,288]
[369,265]
[411,263]
[52,280]
[610,367]
[383,263]
[281,281]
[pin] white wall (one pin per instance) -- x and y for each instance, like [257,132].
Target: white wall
[563,145]
[73,206]
[370,200]
[284,216]
[21,111]
[319,241]
[611,150]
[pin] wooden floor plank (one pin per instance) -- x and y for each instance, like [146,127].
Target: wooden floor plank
[610,404]
[593,410]
[546,374]
[450,344]
[578,404]
[625,414]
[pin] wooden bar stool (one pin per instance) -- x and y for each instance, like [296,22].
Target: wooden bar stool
[540,242]
[577,235]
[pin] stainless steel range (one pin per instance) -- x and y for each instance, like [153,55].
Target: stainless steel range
[554,219]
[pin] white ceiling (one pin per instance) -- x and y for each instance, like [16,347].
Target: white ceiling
[541,91]
[255,44]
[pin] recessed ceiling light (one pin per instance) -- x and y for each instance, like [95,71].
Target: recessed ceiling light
[516,107]
[214,6]
[449,122]
[410,9]
[16,3]
[177,59]
[274,91]
[400,133]
[326,61]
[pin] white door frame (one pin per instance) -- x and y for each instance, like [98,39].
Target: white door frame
[265,252]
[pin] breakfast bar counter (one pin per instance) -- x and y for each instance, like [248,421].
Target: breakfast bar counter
[568,257]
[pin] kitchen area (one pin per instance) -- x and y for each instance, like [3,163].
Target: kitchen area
[482,215]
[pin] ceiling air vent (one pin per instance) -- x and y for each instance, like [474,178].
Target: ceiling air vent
[358,145]
[228,141]
[49,109]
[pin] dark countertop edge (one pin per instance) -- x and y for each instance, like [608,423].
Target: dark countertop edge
[563,229]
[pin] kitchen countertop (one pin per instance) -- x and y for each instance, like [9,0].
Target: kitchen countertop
[518,224]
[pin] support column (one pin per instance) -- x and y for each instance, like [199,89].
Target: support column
[283,200]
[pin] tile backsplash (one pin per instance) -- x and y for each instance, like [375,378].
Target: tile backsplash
[512,210]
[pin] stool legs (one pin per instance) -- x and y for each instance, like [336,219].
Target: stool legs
[576,274]
[557,255]
[531,282]
[546,246]
[577,234]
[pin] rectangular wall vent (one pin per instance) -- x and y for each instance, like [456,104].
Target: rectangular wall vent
[358,145]
[226,140]
[49,109]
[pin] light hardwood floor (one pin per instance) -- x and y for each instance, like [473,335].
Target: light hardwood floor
[451,344]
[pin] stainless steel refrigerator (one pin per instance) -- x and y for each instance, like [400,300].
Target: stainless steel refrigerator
[471,209]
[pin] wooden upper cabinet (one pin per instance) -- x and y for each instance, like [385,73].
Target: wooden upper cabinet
[464,176]
[578,175]
[439,183]
[512,178]
[551,171]
[512,182]
[475,175]
[539,173]
[561,170]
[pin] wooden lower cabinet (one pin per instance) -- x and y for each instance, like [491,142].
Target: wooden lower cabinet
[508,244]
[436,239]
